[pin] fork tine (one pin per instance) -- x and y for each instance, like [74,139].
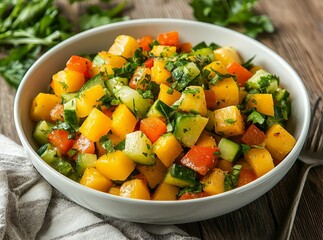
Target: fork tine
[319,134]
[313,125]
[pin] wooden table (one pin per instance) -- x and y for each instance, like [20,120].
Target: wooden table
[299,40]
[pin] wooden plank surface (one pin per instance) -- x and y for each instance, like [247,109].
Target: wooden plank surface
[299,40]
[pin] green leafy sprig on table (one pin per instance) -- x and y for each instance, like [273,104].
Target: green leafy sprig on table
[237,14]
[28,28]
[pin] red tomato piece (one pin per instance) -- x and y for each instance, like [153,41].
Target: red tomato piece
[210,99]
[246,176]
[168,38]
[153,127]
[59,138]
[253,136]
[145,42]
[149,63]
[79,64]
[84,145]
[200,158]
[187,196]
[242,73]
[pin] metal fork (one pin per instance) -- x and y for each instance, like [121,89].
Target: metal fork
[311,156]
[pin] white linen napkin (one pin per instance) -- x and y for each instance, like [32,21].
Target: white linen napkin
[31,209]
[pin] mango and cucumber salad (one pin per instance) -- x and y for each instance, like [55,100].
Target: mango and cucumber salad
[156,118]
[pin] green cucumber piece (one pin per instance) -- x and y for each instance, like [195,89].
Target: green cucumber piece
[83,161]
[48,153]
[133,100]
[97,79]
[180,176]
[68,96]
[41,131]
[159,109]
[262,81]
[229,150]
[188,128]
[114,84]
[70,114]
[138,147]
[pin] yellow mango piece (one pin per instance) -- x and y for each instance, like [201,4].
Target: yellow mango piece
[262,102]
[260,160]
[165,191]
[113,60]
[159,73]
[193,100]
[167,98]
[167,148]
[96,125]
[226,93]
[224,165]
[123,121]
[114,191]
[154,174]
[41,106]
[115,139]
[92,178]
[124,45]
[206,140]
[88,99]
[67,81]
[163,51]
[214,182]
[106,69]
[228,121]
[115,165]
[227,55]
[135,188]
[213,67]
[279,142]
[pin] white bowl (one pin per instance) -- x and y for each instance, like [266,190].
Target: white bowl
[38,78]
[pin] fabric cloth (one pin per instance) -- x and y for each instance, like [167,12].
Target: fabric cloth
[31,209]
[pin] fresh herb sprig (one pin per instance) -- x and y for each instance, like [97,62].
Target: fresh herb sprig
[28,28]
[237,14]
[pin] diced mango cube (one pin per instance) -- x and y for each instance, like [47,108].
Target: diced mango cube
[124,45]
[165,191]
[159,73]
[154,174]
[167,148]
[279,142]
[96,125]
[260,160]
[262,102]
[42,105]
[228,121]
[163,51]
[113,60]
[115,165]
[123,121]
[92,178]
[226,93]
[206,140]
[214,182]
[89,99]
[114,191]
[193,100]
[67,81]
[213,67]
[227,55]
[135,188]
[166,97]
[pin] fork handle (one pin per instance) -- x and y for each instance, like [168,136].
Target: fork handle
[288,225]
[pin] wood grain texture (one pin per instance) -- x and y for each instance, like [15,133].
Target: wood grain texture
[299,40]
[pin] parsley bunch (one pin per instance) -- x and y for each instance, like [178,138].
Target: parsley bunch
[237,14]
[28,28]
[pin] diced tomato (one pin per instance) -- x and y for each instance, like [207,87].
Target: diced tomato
[79,64]
[253,136]
[59,138]
[145,42]
[84,145]
[168,38]
[246,176]
[153,127]
[187,196]
[210,99]
[242,73]
[108,111]
[149,63]
[57,113]
[185,47]
[200,158]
